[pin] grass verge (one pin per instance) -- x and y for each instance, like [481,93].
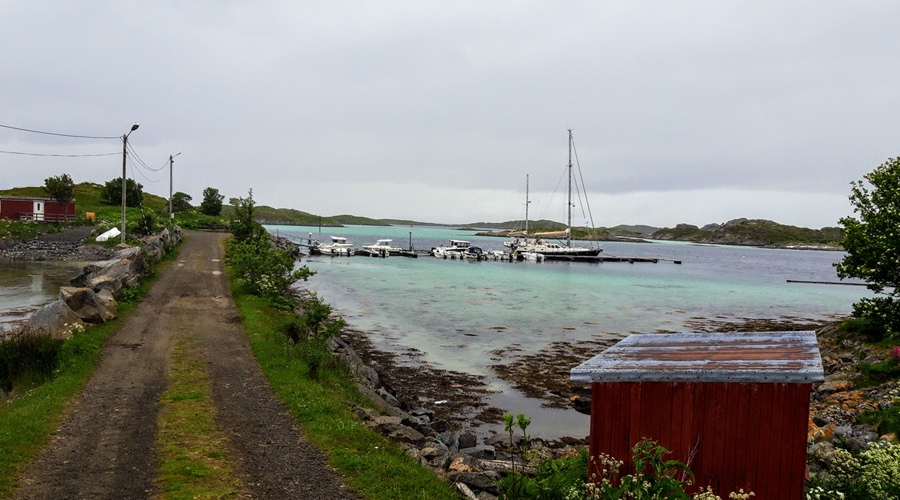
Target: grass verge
[193,454]
[373,466]
[28,420]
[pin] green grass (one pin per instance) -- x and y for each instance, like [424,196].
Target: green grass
[192,452]
[28,420]
[372,465]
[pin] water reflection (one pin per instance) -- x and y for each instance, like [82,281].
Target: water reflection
[26,286]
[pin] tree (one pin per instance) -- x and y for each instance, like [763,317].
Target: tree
[181,202]
[212,202]
[111,194]
[243,227]
[872,242]
[264,270]
[62,189]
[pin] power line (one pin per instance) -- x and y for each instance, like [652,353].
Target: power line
[59,135]
[60,155]
[142,163]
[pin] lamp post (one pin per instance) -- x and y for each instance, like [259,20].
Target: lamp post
[171,160]
[124,155]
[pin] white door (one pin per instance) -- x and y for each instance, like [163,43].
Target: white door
[38,210]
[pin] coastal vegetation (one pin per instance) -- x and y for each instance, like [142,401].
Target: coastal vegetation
[872,241]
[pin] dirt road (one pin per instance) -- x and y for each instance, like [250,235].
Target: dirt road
[105,448]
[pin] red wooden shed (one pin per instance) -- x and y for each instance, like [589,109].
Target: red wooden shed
[35,208]
[733,406]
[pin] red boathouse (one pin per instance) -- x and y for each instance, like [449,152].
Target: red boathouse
[733,406]
[35,209]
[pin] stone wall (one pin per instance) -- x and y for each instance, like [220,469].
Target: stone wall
[92,298]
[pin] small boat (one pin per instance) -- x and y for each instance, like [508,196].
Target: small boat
[382,248]
[532,256]
[475,253]
[456,250]
[338,246]
[498,255]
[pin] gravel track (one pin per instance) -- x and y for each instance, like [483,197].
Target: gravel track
[104,448]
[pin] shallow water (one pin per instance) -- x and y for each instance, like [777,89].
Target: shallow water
[457,312]
[26,286]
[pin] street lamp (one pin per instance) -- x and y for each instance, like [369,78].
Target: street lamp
[124,155]
[171,160]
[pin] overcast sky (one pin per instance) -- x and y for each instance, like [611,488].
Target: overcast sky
[436,111]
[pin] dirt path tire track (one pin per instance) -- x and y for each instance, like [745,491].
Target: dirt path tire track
[104,449]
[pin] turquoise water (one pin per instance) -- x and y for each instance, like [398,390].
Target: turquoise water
[449,310]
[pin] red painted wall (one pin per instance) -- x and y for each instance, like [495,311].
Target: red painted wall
[11,208]
[732,435]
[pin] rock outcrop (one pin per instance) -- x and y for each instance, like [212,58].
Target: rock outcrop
[92,296]
[457,455]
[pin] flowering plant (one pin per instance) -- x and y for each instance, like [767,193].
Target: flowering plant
[895,352]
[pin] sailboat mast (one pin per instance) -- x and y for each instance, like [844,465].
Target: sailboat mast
[569,207]
[526,205]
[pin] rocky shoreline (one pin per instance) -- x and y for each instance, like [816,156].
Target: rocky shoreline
[443,438]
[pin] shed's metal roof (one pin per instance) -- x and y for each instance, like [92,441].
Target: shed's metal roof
[765,357]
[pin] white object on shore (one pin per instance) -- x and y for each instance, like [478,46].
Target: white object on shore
[112,233]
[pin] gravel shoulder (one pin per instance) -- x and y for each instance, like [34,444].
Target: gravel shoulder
[104,448]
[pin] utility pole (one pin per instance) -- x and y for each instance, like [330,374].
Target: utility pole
[569,207]
[124,155]
[171,160]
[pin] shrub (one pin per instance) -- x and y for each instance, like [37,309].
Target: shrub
[28,360]
[870,475]
[111,193]
[311,331]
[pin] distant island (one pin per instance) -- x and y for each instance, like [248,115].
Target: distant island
[756,232]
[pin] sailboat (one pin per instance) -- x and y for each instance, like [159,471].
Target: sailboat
[536,243]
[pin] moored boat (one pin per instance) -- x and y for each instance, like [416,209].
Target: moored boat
[383,248]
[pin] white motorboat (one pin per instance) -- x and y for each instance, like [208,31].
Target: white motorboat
[456,250]
[382,248]
[338,246]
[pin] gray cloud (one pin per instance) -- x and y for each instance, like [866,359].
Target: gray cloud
[460,99]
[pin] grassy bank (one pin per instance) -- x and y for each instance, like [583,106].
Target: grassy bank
[373,466]
[28,419]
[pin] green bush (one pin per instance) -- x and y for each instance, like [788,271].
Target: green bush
[873,474]
[880,316]
[310,331]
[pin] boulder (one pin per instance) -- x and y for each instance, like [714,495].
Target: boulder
[483,451]
[856,444]
[154,246]
[108,283]
[463,463]
[127,271]
[86,304]
[135,255]
[467,440]
[485,481]
[437,455]
[55,319]
[388,397]
[109,301]
[402,433]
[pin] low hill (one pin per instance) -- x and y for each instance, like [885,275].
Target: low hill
[753,232]
[87,199]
